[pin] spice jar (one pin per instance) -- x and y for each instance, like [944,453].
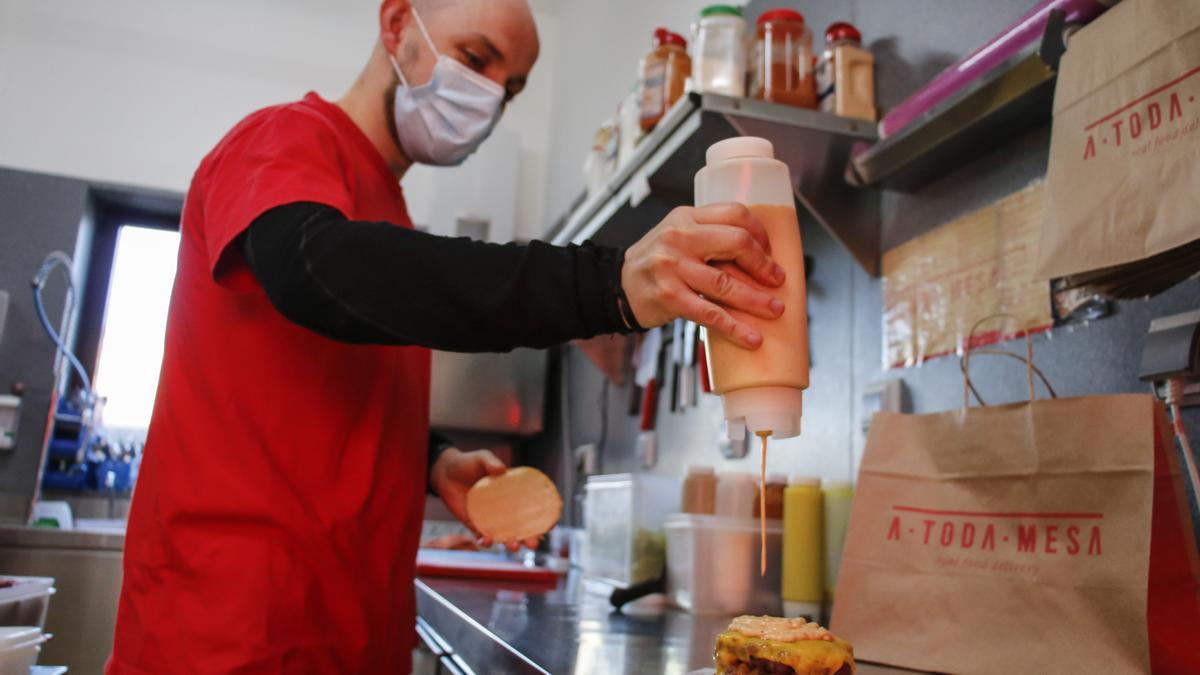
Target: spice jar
[700,490]
[720,49]
[783,60]
[736,494]
[665,72]
[846,74]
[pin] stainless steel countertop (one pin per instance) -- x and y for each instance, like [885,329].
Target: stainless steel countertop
[20,536]
[504,627]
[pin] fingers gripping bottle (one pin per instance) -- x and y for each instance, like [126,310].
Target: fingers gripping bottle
[763,388]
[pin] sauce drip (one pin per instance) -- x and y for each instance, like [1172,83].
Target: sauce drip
[762,502]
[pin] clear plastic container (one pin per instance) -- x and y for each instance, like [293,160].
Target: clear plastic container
[623,520]
[713,565]
[784,67]
[719,51]
[26,601]
[19,648]
[763,388]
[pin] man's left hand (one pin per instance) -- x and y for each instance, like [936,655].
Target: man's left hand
[455,472]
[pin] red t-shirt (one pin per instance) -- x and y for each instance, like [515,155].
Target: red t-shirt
[277,515]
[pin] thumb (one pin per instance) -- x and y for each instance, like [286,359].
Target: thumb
[491,463]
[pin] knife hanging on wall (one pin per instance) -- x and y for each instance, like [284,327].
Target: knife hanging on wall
[689,397]
[676,362]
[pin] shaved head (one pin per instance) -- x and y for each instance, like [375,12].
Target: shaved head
[496,38]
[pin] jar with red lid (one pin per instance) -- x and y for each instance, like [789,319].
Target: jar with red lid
[784,69]
[846,74]
[665,72]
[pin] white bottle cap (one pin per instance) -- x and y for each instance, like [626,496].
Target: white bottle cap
[739,146]
[773,410]
[828,484]
[794,609]
[736,477]
[806,481]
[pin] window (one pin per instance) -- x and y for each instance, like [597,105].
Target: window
[135,322]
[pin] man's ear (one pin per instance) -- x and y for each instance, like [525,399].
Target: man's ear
[394,16]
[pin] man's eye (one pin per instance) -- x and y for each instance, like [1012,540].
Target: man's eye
[474,60]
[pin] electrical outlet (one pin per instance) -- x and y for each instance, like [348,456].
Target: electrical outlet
[10,417]
[887,395]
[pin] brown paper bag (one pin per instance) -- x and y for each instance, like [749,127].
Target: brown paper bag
[1043,537]
[1124,175]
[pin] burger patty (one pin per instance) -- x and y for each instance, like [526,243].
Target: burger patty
[757,666]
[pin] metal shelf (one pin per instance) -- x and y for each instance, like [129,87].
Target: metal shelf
[1015,97]
[816,147]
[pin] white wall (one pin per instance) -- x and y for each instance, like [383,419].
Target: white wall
[136,92]
[595,65]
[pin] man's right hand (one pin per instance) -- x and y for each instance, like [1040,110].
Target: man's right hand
[667,274]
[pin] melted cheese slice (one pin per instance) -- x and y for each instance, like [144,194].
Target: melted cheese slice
[813,651]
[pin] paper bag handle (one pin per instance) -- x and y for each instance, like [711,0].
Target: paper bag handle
[1030,369]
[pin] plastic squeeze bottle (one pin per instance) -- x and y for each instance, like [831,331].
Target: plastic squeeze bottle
[838,497]
[803,540]
[763,388]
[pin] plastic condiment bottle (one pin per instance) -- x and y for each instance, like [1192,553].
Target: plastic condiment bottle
[837,496]
[803,524]
[846,74]
[736,494]
[720,51]
[700,490]
[762,388]
[783,60]
[776,484]
[665,72]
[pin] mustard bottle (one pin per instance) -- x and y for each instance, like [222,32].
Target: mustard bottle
[803,544]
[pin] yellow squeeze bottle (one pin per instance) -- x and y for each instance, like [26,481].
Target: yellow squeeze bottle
[803,543]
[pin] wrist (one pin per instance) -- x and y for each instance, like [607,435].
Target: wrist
[440,467]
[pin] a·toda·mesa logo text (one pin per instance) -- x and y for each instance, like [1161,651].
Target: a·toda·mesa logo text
[1150,122]
[1044,533]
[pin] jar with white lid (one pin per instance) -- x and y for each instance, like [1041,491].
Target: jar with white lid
[719,51]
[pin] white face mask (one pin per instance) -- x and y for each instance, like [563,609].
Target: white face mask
[444,120]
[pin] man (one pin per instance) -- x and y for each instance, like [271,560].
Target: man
[280,501]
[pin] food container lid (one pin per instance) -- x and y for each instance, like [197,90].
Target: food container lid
[662,36]
[805,481]
[721,10]
[700,470]
[828,484]
[781,14]
[693,521]
[842,31]
[16,637]
[777,479]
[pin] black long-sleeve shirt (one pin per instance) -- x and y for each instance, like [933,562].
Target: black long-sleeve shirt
[375,283]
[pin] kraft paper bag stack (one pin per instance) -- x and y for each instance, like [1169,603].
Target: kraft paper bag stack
[1123,188]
